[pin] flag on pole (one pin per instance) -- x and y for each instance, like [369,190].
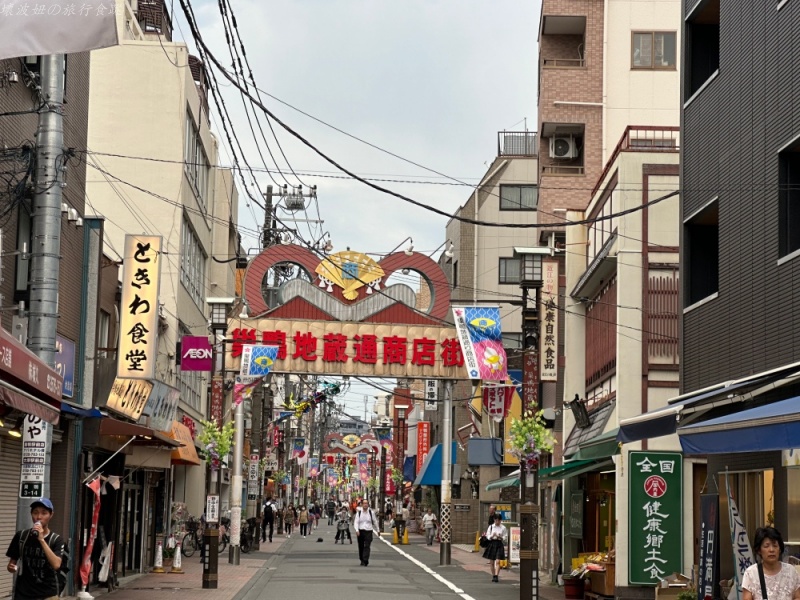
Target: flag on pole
[298,447]
[313,467]
[481,340]
[742,553]
[363,466]
[56,27]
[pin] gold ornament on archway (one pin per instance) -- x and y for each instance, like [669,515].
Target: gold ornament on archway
[349,271]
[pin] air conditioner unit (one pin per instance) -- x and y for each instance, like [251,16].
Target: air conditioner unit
[563,147]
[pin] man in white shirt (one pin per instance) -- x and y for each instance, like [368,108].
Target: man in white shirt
[429,523]
[365,524]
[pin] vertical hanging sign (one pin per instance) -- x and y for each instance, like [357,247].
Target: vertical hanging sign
[709,547]
[655,498]
[548,334]
[423,443]
[34,454]
[138,328]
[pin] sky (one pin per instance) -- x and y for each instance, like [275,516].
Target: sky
[433,81]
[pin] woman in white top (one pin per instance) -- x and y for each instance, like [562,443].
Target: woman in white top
[496,550]
[782,579]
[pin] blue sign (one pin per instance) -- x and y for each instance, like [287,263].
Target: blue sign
[257,361]
[65,364]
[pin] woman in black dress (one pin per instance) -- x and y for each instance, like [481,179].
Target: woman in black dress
[496,550]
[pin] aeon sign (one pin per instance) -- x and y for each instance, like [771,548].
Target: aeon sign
[195,353]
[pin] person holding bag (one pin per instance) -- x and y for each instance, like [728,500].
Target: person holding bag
[769,578]
[496,548]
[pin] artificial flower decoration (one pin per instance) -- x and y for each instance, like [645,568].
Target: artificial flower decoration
[528,438]
[215,442]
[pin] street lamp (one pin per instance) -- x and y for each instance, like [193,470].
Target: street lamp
[218,322]
[531,277]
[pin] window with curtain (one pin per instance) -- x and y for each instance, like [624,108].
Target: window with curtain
[518,197]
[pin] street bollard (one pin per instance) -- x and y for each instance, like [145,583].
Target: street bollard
[159,564]
[176,565]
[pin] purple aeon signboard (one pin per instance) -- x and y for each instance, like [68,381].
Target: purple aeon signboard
[195,353]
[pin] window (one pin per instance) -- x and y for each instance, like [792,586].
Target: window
[512,341]
[196,166]
[510,270]
[701,39]
[103,333]
[193,264]
[701,238]
[455,274]
[789,200]
[190,382]
[653,50]
[518,197]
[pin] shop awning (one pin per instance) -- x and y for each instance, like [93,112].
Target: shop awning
[773,426]
[431,471]
[87,413]
[574,468]
[14,397]
[512,479]
[689,408]
[187,453]
[603,446]
[597,423]
[145,435]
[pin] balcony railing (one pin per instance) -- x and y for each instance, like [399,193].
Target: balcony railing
[642,138]
[563,63]
[517,143]
[563,170]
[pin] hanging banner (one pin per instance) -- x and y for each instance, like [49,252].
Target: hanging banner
[138,328]
[548,338]
[34,444]
[431,395]
[243,387]
[313,467]
[481,339]
[304,454]
[742,552]
[423,443]
[497,400]
[257,361]
[709,547]
[655,535]
[363,466]
[298,447]
[56,27]
[86,563]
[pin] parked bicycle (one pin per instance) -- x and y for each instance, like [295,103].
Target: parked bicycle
[248,536]
[193,538]
[224,536]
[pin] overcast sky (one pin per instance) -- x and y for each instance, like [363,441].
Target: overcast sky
[430,80]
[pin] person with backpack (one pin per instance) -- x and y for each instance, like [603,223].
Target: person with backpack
[268,519]
[330,510]
[35,556]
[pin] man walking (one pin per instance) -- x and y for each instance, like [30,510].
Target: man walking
[429,523]
[365,523]
[330,509]
[269,519]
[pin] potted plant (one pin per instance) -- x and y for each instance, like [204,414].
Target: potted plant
[528,438]
[167,555]
[216,442]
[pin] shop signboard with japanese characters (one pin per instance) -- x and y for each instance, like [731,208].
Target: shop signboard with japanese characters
[138,344]
[431,395]
[548,335]
[354,349]
[34,439]
[655,499]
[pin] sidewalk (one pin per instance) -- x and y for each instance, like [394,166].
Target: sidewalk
[231,579]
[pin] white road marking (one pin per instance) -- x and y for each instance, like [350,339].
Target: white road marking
[429,571]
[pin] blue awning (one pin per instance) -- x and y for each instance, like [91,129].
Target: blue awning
[431,471]
[773,426]
[665,420]
[89,413]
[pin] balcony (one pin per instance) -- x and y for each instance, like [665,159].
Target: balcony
[563,42]
[642,138]
[517,143]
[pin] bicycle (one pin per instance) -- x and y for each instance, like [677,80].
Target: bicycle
[191,541]
[247,540]
[224,537]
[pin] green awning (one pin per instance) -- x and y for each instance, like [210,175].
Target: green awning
[574,468]
[603,446]
[508,480]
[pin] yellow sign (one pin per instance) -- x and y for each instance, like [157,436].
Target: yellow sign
[350,271]
[351,440]
[138,327]
[347,348]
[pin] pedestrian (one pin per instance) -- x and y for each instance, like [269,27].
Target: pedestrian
[492,510]
[387,511]
[400,520]
[343,526]
[289,515]
[303,518]
[35,556]
[365,524]
[781,579]
[268,519]
[330,510]
[429,523]
[496,550]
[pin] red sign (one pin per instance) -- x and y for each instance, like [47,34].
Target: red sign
[22,364]
[423,443]
[497,400]
[195,353]
[217,399]
[530,382]
[655,486]
[332,347]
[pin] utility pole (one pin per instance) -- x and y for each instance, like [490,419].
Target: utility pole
[447,470]
[46,245]
[268,235]
[236,482]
